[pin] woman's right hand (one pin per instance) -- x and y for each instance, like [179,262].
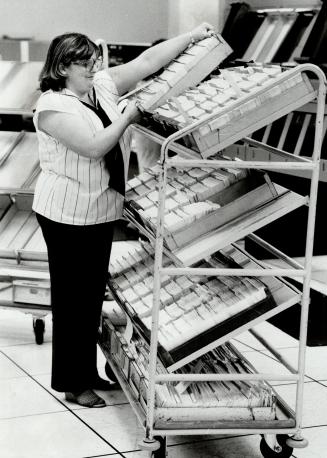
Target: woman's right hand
[202,31]
[132,112]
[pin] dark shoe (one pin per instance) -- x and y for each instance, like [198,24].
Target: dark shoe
[103,385]
[86,399]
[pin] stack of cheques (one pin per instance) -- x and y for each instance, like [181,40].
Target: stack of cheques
[194,311]
[187,70]
[194,198]
[241,99]
[186,403]
[201,201]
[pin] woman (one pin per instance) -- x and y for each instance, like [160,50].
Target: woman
[84,152]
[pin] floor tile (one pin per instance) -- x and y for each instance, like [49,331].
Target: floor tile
[245,447]
[23,396]
[117,424]
[232,447]
[314,402]
[263,363]
[116,396]
[8,369]
[242,447]
[59,435]
[314,357]
[35,359]
[272,334]
[314,366]
[246,343]
[16,327]
[317,443]
[120,426]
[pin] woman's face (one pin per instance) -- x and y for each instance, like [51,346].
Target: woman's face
[80,75]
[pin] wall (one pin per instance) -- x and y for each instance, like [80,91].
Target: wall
[281,3]
[140,21]
[118,20]
[185,14]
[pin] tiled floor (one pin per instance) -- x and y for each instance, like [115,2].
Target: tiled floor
[36,422]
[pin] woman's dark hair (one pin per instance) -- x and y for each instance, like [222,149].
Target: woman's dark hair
[63,50]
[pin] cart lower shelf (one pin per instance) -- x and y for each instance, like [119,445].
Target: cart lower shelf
[200,420]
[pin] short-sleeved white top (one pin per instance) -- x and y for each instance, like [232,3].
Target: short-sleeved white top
[71,188]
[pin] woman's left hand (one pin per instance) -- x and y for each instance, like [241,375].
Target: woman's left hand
[202,31]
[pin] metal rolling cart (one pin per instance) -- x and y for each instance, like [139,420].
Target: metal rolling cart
[23,259]
[24,277]
[195,143]
[28,292]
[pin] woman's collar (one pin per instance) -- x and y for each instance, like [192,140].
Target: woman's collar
[69,92]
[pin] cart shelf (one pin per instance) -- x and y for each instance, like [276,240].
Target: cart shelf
[222,226]
[240,101]
[176,408]
[213,324]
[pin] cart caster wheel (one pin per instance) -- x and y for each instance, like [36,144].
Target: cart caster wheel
[150,445]
[295,442]
[110,373]
[39,326]
[282,451]
[162,451]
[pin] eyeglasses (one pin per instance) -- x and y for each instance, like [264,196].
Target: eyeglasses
[90,64]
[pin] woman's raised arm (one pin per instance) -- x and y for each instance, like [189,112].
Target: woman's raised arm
[126,76]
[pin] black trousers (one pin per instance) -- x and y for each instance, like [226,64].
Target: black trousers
[78,265]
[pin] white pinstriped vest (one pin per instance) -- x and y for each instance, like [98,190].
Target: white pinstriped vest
[72,188]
